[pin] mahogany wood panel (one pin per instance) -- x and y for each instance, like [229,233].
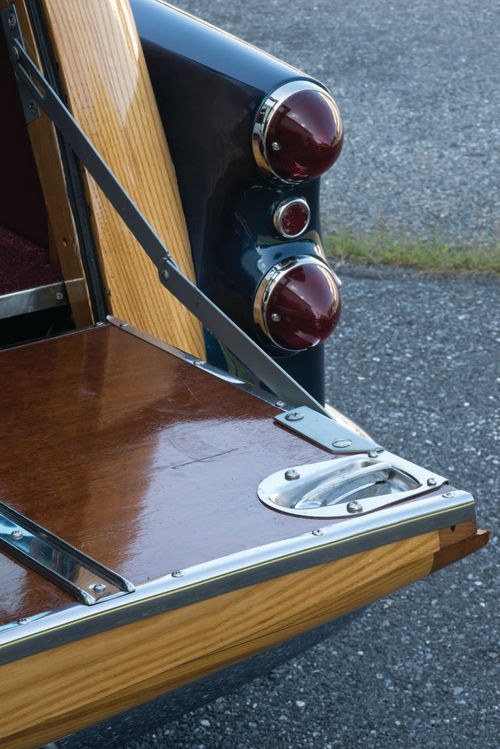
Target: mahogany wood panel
[137,458]
[63,241]
[140,460]
[147,658]
[109,92]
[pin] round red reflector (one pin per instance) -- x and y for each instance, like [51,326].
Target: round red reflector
[291,217]
[298,133]
[298,303]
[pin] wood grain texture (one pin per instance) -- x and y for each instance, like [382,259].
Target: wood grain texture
[109,92]
[137,458]
[140,460]
[108,673]
[63,242]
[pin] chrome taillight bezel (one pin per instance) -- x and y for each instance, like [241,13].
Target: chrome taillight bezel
[269,108]
[268,284]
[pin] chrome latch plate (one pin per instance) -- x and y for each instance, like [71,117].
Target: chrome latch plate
[346,487]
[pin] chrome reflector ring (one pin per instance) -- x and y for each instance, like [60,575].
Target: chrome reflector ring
[280,212]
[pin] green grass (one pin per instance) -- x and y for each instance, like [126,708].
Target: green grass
[435,255]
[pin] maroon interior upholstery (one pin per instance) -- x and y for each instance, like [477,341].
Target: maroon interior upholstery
[23,264]
[22,207]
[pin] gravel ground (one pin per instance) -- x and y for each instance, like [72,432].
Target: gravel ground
[417,85]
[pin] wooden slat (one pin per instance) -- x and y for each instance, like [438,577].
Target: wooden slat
[109,92]
[99,676]
[64,247]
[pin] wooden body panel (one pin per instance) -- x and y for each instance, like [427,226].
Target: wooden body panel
[109,93]
[147,658]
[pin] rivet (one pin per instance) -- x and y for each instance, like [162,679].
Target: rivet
[14,53]
[372,454]
[275,317]
[124,325]
[317,532]
[292,475]
[16,535]
[11,21]
[32,107]
[431,482]
[98,587]
[294,416]
[23,620]
[341,443]
[354,507]
[100,324]
[164,275]
[177,573]
[280,404]
[447,495]
[59,296]
[275,145]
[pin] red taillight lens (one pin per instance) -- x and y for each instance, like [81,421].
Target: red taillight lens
[297,303]
[298,133]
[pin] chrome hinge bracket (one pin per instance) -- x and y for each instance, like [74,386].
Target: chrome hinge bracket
[325,432]
[13,34]
[242,346]
[84,578]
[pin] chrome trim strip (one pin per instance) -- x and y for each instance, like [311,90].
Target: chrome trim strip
[282,491]
[248,387]
[268,108]
[52,557]
[280,210]
[32,300]
[342,538]
[269,283]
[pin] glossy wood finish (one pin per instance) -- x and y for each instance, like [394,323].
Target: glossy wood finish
[63,241]
[139,459]
[109,92]
[135,457]
[150,464]
[147,658]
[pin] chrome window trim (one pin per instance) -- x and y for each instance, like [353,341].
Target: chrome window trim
[280,210]
[268,108]
[268,284]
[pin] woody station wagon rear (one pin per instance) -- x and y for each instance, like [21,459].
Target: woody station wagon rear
[175,495]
